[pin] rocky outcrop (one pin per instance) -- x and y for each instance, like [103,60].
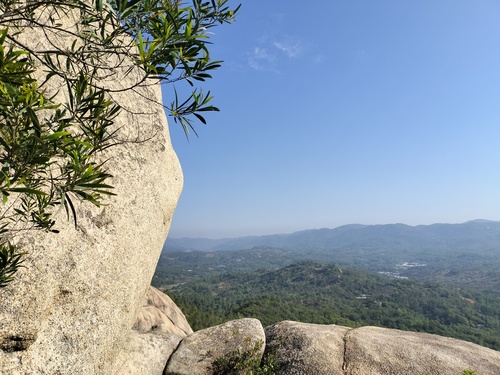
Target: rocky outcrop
[303,349]
[197,353]
[295,348]
[71,308]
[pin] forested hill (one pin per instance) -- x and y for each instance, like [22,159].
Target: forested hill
[475,234]
[472,263]
[328,294]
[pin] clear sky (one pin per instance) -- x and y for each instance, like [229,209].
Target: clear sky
[346,111]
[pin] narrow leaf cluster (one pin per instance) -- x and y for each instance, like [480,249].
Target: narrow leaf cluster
[47,151]
[51,151]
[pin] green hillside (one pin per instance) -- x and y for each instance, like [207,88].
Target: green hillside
[327,294]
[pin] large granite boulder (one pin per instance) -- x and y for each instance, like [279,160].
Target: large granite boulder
[382,351]
[303,349]
[198,352]
[71,309]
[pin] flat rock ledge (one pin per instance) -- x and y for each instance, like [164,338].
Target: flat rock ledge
[305,349]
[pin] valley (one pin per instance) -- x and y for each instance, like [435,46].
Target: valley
[448,289]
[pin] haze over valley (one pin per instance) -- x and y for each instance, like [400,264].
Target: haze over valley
[466,255]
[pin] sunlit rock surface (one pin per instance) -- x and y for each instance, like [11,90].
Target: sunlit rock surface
[72,308]
[302,348]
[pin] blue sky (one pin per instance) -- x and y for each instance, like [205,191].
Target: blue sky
[352,111]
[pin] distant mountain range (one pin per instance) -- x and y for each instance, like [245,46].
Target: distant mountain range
[471,235]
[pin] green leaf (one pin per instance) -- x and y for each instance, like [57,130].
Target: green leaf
[26,190]
[56,135]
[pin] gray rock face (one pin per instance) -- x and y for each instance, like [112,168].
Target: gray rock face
[303,349]
[71,309]
[197,352]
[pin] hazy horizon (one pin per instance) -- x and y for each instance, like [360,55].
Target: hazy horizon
[316,228]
